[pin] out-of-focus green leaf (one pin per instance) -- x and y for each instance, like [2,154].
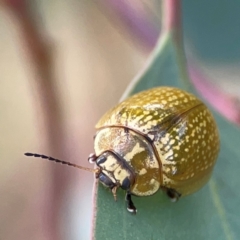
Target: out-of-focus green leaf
[212,29]
[163,68]
[211,213]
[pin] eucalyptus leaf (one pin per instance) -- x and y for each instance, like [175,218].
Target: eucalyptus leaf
[211,213]
[212,29]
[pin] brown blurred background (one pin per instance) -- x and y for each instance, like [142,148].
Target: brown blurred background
[93,62]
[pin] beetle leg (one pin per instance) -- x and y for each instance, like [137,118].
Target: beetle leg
[173,194]
[114,192]
[92,158]
[130,205]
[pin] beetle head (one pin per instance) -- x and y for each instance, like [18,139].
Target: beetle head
[113,171]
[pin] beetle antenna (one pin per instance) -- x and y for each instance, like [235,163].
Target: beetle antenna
[59,161]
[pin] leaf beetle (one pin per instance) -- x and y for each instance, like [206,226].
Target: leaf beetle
[162,138]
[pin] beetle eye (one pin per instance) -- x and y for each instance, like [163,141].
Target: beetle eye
[106,180]
[101,159]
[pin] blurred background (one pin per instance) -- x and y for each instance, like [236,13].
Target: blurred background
[62,65]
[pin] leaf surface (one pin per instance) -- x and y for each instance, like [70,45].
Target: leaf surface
[211,213]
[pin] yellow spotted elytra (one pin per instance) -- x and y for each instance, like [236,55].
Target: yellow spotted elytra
[162,138]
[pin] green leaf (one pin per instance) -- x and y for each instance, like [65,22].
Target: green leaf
[163,68]
[213,27]
[211,213]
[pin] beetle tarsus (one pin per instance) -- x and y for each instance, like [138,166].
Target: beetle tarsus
[173,195]
[130,205]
